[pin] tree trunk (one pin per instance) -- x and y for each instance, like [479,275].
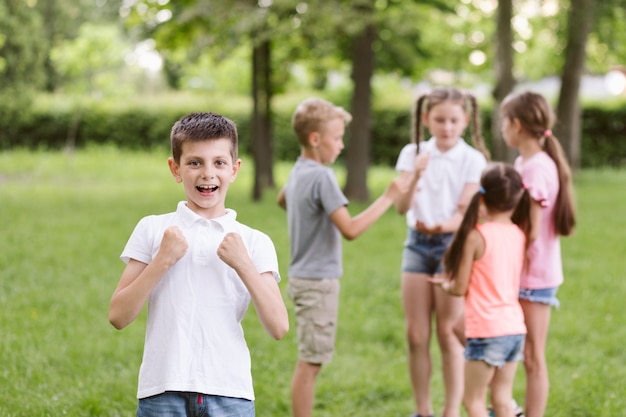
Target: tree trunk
[504,78]
[262,149]
[358,149]
[568,130]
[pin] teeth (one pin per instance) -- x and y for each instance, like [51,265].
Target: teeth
[207,187]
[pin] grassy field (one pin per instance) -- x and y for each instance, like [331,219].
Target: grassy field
[65,219]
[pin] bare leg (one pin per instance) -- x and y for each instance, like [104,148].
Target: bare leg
[303,388]
[537,317]
[478,375]
[502,390]
[417,300]
[449,310]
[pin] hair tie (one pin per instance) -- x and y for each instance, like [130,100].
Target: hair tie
[481,190]
[547,133]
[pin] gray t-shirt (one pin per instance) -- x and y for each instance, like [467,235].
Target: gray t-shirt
[312,194]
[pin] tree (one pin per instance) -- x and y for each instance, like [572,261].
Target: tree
[257,23]
[580,21]
[363,64]
[504,80]
[21,61]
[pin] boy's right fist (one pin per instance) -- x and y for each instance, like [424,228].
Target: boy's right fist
[173,245]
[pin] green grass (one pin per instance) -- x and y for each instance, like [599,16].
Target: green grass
[66,217]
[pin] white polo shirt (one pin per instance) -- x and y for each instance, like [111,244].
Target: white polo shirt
[194,339]
[439,189]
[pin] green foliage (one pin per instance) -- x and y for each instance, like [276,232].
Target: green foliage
[142,123]
[68,216]
[21,50]
[603,141]
[90,62]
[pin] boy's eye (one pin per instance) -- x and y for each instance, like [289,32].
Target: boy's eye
[194,163]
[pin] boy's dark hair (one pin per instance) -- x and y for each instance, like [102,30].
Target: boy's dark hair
[502,190]
[200,126]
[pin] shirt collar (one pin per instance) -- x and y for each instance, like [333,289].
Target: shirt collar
[453,154]
[189,217]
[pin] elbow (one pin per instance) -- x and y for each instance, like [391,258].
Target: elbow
[349,236]
[117,321]
[280,331]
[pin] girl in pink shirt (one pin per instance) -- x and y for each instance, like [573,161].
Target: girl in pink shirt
[484,263]
[526,122]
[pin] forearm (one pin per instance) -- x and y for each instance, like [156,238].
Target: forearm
[128,301]
[452,224]
[361,222]
[267,300]
[453,288]
[403,203]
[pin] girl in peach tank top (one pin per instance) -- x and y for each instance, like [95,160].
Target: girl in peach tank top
[483,264]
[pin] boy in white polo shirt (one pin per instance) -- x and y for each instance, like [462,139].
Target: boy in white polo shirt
[198,268]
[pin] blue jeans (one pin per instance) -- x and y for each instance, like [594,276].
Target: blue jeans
[189,404]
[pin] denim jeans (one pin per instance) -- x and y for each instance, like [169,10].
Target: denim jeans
[188,404]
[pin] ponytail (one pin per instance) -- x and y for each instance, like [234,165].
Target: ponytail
[564,213]
[416,134]
[453,255]
[477,137]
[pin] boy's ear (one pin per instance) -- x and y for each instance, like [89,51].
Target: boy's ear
[314,139]
[236,166]
[174,169]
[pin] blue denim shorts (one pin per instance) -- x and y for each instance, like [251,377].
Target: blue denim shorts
[423,253]
[190,404]
[495,351]
[542,296]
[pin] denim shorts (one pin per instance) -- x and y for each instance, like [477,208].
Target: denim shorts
[190,404]
[422,253]
[542,296]
[495,351]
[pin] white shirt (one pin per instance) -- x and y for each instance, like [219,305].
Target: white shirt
[439,189]
[194,339]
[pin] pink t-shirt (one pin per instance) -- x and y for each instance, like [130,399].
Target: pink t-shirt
[541,177]
[492,307]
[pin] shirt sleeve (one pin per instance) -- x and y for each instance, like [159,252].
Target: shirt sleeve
[406,158]
[139,245]
[329,193]
[537,183]
[476,166]
[263,254]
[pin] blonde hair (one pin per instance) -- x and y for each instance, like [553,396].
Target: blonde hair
[312,114]
[426,102]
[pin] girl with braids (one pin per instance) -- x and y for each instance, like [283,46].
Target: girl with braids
[444,173]
[484,263]
[526,122]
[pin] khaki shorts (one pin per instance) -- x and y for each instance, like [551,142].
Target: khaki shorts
[316,303]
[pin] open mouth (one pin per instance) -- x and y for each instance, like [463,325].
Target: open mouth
[207,188]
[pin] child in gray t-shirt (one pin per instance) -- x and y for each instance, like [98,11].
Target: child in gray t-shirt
[317,218]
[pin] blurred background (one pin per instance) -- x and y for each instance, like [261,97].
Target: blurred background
[80,72]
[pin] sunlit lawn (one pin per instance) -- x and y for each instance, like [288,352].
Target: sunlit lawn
[65,219]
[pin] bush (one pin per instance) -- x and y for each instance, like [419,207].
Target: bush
[57,122]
